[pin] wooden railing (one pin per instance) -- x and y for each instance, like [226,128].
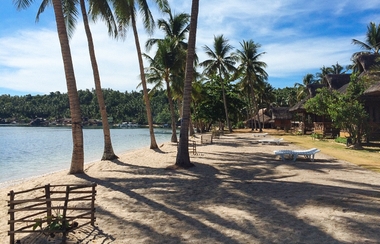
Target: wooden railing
[63,203]
[192,147]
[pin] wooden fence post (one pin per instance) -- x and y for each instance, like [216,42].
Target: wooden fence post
[93,204]
[64,221]
[11,217]
[48,203]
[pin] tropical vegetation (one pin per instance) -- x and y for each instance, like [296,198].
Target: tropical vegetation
[230,90]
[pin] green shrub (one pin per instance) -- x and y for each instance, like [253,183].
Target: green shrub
[342,140]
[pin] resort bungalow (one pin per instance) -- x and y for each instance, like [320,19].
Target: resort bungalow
[368,65]
[281,118]
[312,123]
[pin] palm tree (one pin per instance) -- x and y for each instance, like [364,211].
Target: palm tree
[338,69]
[77,159]
[221,64]
[183,158]
[108,153]
[175,29]
[170,57]
[372,42]
[320,75]
[126,12]
[251,71]
[163,67]
[302,89]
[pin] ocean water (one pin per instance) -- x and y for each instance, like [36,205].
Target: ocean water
[32,151]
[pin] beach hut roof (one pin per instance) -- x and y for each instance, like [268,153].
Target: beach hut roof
[367,61]
[336,81]
[373,90]
[298,107]
[281,113]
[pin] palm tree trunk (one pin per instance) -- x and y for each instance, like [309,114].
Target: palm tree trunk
[108,153]
[77,159]
[172,112]
[153,143]
[225,105]
[183,158]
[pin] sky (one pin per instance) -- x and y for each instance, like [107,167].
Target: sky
[297,37]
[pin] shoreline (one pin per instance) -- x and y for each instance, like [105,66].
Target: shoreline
[16,182]
[29,152]
[238,192]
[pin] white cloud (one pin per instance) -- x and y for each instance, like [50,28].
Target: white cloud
[34,64]
[298,37]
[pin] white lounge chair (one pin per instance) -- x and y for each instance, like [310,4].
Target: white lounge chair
[268,141]
[310,153]
[260,134]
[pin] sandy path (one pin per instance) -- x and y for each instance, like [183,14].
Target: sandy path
[237,193]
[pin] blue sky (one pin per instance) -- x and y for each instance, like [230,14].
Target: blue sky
[298,37]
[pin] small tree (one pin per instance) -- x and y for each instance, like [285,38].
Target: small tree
[346,110]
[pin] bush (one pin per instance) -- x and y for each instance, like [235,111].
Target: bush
[316,136]
[341,140]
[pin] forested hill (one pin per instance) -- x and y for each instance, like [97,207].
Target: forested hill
[121,106]
[130,106]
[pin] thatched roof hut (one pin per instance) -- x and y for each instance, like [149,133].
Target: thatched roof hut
[281,113]
[373,90]
[367,61]
[336,81]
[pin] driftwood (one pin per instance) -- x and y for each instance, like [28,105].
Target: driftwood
[64,203]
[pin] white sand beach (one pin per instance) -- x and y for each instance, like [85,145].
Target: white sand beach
[239,192]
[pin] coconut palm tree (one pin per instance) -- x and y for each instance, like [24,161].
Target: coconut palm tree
[372,42]
[126,11]
[175,29]
[338,69]
[163,67]
[170,57]
[77,159]
[320,75]
[251,71]
[222,64]
[108,153]
[183,158]
[302,90]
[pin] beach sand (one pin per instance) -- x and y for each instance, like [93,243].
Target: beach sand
[239,192]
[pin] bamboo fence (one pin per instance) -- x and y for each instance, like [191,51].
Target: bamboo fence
[42,205]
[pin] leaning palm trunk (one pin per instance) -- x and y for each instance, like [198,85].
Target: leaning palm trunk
[153,143]
[183,158]
[108,153]
[172,112]
[77,160]
[225,106]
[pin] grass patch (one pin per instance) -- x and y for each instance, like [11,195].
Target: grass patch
[368,158]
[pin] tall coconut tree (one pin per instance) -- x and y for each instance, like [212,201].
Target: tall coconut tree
[77,159]
[171,57]
[183,157]
[220,62]
[126,12]
[162,68]
[175,28]
[251,71]
[108,153]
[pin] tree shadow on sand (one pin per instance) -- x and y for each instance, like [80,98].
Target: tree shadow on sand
[252,200]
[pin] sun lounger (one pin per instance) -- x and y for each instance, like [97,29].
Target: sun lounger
[310,153]
[268,141]
[260,134]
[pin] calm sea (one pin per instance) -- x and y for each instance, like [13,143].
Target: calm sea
[31,151]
